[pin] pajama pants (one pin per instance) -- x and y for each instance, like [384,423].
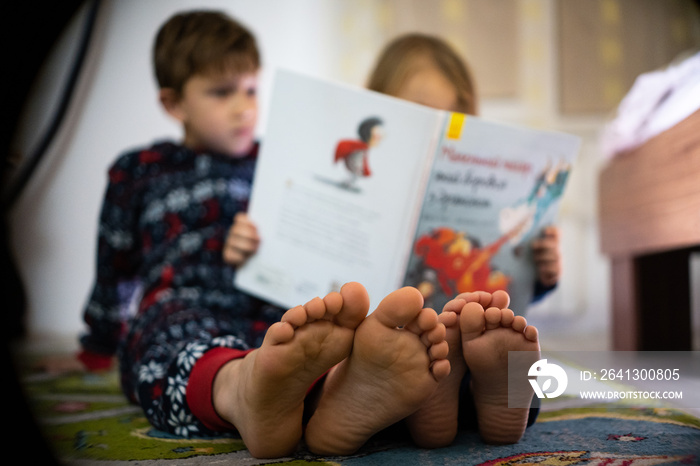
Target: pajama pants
[166,342]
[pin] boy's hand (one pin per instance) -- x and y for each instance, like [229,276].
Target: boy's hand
[547,256]
[242,241]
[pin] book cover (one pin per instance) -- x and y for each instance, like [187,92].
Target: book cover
[492,189]
[353,185]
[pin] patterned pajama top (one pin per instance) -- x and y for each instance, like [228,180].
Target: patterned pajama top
[163,223]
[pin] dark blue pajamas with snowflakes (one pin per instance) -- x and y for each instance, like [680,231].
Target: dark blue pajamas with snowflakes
[163,224]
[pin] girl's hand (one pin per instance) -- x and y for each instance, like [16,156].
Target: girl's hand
[547,256]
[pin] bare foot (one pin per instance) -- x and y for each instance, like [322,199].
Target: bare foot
[487,336]
[435,424]
[397,361]
[263,394]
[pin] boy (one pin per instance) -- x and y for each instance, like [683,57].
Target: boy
[200,356]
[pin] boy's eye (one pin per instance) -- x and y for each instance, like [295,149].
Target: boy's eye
[228,91]
[221,91]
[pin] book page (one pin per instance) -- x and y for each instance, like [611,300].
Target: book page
[492,189]
[332,205]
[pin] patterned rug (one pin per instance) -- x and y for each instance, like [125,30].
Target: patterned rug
[86,420]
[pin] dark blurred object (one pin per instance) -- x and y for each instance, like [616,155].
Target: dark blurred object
[23,166]
[29,34]
[43,29]
[13,296]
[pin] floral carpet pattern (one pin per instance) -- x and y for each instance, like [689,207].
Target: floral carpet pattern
[87,421]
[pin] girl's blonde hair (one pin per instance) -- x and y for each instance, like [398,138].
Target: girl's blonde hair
[406,54]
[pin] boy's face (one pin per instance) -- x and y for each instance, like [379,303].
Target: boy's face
[219,112]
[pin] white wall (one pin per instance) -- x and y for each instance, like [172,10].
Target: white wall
[53,225]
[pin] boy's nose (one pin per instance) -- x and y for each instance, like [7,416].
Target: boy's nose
[243,108]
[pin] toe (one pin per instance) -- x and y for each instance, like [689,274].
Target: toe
[481,297]
[333,302]
[355,305]
[279,332]
[493,318]
[439,351]
[507,317]
[440,369]
[424,322]
[315,309]
[519,323]
[531,333]
[435,335]
[449,318]
[472,321]
[500,299]
[399,307]
[454,306]
[296,316]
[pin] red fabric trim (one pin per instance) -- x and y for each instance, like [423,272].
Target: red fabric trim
[201,383]
[95,361]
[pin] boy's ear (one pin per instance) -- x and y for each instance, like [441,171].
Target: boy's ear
[170,100]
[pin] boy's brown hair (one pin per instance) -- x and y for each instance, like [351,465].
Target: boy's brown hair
[202,42]
[402,56]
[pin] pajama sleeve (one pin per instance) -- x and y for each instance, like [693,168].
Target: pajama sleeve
[118,258]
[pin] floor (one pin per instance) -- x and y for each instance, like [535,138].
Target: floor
[558,335]
[564,336]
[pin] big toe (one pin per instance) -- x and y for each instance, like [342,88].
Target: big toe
[399,307]
[472,320]
[355,305]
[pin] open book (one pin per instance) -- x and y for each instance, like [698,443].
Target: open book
[353,185]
